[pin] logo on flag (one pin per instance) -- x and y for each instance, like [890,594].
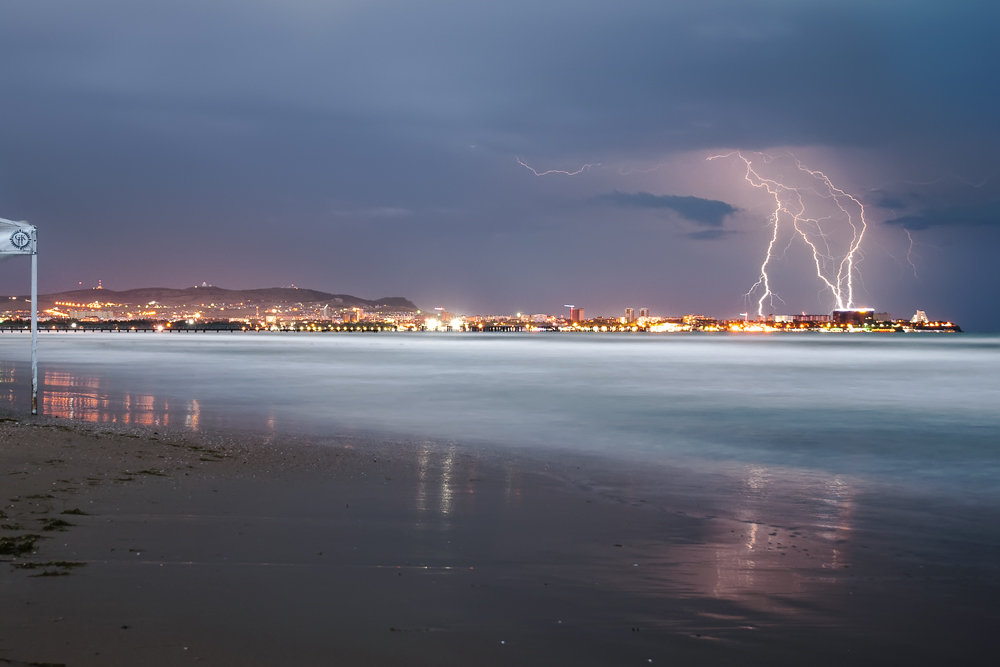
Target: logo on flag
[20,239]
[17,238]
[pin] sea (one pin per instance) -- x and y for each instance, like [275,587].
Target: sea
[913,411]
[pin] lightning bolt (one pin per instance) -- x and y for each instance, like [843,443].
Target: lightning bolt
[556,171]
[846,269]
[909,253]
[793,204]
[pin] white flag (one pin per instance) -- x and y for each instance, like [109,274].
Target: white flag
[17,238]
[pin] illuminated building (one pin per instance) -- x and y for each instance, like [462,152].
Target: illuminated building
[857,317]
[630,314]
[644,312]
[799,319]
[699,320]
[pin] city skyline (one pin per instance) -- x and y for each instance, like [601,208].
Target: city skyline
[504,159]
[302,309]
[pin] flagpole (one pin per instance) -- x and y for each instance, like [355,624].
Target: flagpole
[34,331]
[23,240]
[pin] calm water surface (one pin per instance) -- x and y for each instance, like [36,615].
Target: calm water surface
[907,409]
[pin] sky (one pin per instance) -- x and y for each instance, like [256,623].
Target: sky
[515,156]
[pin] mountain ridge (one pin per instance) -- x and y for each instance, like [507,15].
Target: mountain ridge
[208,294]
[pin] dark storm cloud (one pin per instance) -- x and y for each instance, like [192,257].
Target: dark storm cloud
[979,215]
[554,76]
[704,212]
[888,200]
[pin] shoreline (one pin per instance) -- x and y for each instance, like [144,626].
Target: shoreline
[222,549]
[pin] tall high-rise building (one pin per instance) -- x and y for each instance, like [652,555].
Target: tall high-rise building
[629,315]
[576,314]
[644,312]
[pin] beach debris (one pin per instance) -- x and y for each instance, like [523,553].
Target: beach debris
[53,524]
[68,564]
[53,568]
[18,545]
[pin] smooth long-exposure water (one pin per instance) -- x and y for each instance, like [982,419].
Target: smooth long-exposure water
[909,409]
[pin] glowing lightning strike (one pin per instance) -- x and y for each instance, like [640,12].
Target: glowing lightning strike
[556,171]
[793,202]
[845,272]
[909,253]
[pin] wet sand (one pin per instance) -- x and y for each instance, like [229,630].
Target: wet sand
[137,546]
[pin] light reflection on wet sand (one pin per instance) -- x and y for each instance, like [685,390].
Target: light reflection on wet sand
[448,484]
[435,494]
[771,554]
[765,555]
[769,543]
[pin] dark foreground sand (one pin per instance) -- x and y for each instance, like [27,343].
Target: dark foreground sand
[137,547]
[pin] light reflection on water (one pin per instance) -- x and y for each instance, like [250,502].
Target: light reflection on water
[781,552]
[759,544]
[769,546]
[436,492]
[89,398]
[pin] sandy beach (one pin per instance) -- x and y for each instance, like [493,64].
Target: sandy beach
[123,545]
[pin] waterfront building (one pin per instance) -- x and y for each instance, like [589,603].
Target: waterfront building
[812,319]
[856,317]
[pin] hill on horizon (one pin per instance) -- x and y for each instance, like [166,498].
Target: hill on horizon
[206,294]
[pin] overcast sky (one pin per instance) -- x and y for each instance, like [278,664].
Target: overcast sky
[501,157]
